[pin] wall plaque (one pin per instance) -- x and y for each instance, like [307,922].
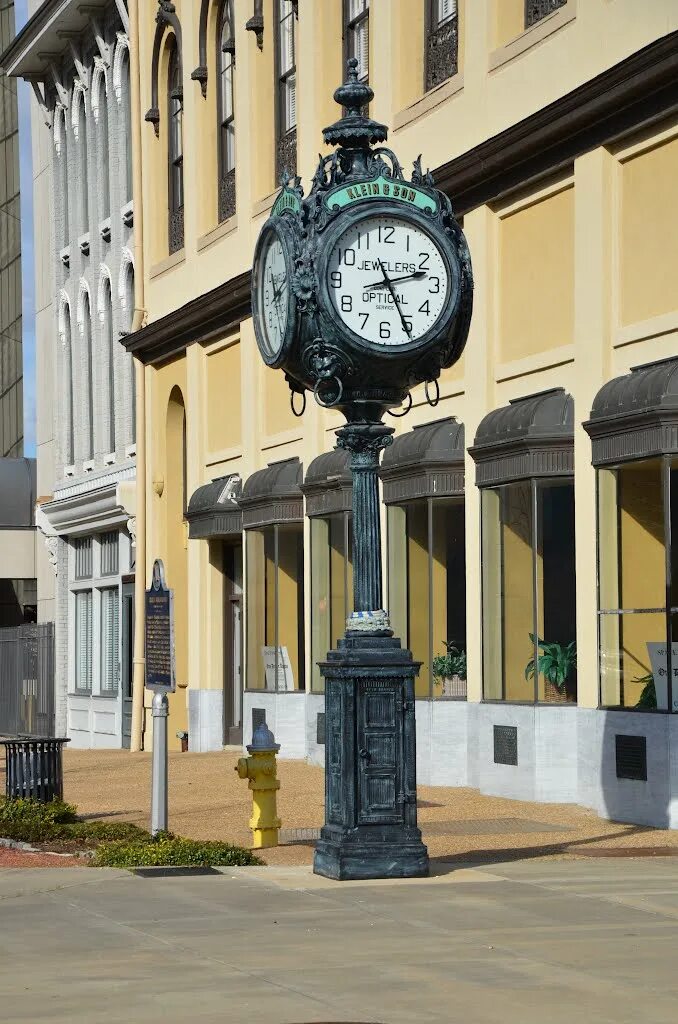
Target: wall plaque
[160,660]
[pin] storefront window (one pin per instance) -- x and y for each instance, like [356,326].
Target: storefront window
[275,608]
[331,587]
[638,584]
[427,591]
[529,602]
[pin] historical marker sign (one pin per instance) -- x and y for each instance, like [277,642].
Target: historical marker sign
[160,674]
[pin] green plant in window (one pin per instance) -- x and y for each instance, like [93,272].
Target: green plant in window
[556,662]
[452,663]
[648,696]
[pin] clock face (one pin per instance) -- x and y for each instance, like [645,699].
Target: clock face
[273,295]
[388,280]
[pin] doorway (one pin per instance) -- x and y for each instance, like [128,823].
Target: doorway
[233,637]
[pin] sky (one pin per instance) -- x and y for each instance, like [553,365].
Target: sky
[27,260]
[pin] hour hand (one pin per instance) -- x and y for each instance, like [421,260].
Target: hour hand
[416,276]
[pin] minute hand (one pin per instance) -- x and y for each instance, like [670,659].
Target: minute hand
[389,285]
[416,276]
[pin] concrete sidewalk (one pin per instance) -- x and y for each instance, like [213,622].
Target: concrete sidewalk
[548,942]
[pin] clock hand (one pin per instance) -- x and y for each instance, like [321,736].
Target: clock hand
[416,276]
[389,285]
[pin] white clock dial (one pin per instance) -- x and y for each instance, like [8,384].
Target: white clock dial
[387,280]
[273,295]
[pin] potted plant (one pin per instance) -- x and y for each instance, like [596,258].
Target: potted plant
[648,695]
[557,663]
[450,670]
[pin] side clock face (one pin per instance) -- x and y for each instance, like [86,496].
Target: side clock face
[388,280]
[272,296]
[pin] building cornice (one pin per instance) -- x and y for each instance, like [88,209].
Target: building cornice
[30,52]
[638,91]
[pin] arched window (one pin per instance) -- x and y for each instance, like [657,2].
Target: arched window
[357,35]
[109,351]
[82,161]
[89,372]
[62,176]
[104,183]
[67,342]
[286,149]
[225,110]
[127,126]
[129,316]
[175,149]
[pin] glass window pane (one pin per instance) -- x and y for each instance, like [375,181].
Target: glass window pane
[396,518]
[448,577]
[418,611]
[556,592]
[517,589]
[641,535]
[108,546]
[627,643]
[255,678]
[608,540]
[83,557]
[490,507]
[291,604]
[110,640]
[320,603]
[83,641]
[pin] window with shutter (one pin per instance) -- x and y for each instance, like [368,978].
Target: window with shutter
[357,35]
[175,110]
[110,640]
[226,110]
[286,149]
[82,547]
[83,641]
[108,547]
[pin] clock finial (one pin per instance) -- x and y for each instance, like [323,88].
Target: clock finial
[354,130]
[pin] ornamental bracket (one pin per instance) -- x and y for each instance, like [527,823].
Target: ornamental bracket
[256,23]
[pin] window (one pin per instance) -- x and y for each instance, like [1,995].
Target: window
[535,10]
[108,548]
[82,162]
[104,156]
[109,349]
[638,584]
[427,590]
[67,342]
[89,363]
[83,641]
[286,150]
[82,547]
[226,111]
[275,608]
[331,587]
[442,42]
[129,317]
[357,35]
[529,600]
[127,127]
[110,640]
[175,101]
[62,166]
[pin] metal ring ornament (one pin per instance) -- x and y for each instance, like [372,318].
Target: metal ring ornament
[398,415]
[303,408]
[428,397]
[318,396]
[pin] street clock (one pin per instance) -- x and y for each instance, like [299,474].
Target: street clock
[363,289]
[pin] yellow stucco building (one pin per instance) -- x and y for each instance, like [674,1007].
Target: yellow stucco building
[538,500]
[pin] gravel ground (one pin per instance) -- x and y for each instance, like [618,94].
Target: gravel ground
[209,801]
[21,859]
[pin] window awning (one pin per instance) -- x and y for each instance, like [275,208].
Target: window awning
[273,495]
[531,436]
[327,487]
[213,510]
[427,461]
[636,416]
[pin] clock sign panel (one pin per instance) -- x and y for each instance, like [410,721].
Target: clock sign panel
[387,280]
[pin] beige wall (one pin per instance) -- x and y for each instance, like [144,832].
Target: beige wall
[574,277]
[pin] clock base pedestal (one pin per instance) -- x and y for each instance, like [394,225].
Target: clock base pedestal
[370,763]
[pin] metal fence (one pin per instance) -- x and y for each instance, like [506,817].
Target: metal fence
[27,680]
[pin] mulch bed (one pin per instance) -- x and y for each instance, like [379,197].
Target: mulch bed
[23,859]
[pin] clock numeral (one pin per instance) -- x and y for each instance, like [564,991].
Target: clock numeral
[270,318]
[384,329]
[434,291]
[407,320]
[425,307]
[335,279]
[363,238]
[346,303]
[366,317]
[388,234]
[348,256]
[424,257]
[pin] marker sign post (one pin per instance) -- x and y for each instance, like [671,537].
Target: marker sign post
[160,677]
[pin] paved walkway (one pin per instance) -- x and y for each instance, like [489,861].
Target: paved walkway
[531,943]
[209,801]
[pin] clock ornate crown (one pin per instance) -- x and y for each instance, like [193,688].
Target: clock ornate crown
[362,289]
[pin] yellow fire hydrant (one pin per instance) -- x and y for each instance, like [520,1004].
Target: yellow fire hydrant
[260,768]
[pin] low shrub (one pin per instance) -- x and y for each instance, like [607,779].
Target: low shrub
[29,821]
[167,849]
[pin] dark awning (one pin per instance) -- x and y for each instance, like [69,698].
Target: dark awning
[213,510]
[532,436]
[427,461]
[636,416]
[327,486]
[273,495]
[17,492]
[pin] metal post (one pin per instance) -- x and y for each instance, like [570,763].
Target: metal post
[159,711]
